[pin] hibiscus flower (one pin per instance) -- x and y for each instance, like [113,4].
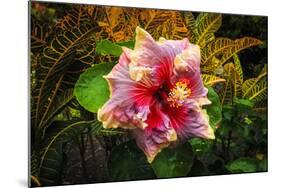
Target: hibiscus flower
[157,93]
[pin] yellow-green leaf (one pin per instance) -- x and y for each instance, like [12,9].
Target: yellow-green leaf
[207,24]
[224,48]
[226,92]
[238,66]
[210,80]
[167,24]
[255,89]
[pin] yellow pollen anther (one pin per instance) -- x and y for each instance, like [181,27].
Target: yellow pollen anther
[179,93]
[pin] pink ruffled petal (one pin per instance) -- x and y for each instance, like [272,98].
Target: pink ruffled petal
[175,46]
[188,60]
[156,136]
[152,144]
[187,66]
[197,87]
[163,72]
[129,102]
[157,57]
[146,52]
[191,121]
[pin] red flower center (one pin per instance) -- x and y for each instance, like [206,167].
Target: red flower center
[179,94]
[174,95]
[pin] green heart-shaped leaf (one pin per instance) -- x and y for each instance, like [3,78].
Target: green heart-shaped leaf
[91,90]
[173,162]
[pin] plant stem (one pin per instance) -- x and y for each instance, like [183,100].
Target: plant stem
[223,147]
[228,145]
[81,146]
[92,144]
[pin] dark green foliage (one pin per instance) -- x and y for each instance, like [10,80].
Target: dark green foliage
[242,165]
[51,155]
[240,144]
[128,162]
[198,168]
[242,131]
[173,162]
[214,109]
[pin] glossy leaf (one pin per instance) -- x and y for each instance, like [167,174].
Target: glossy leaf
[242,164]
[191,25]
[210,80]
[255,89]
[243,103]
[207,24]
[129,44]
[173,162]
[92,90]
[105,47]
[238,67]
[200,146]
[226,48]
[167,24]
[226,93]
[237,80]
[60,102]
[214,110]
[128,162]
